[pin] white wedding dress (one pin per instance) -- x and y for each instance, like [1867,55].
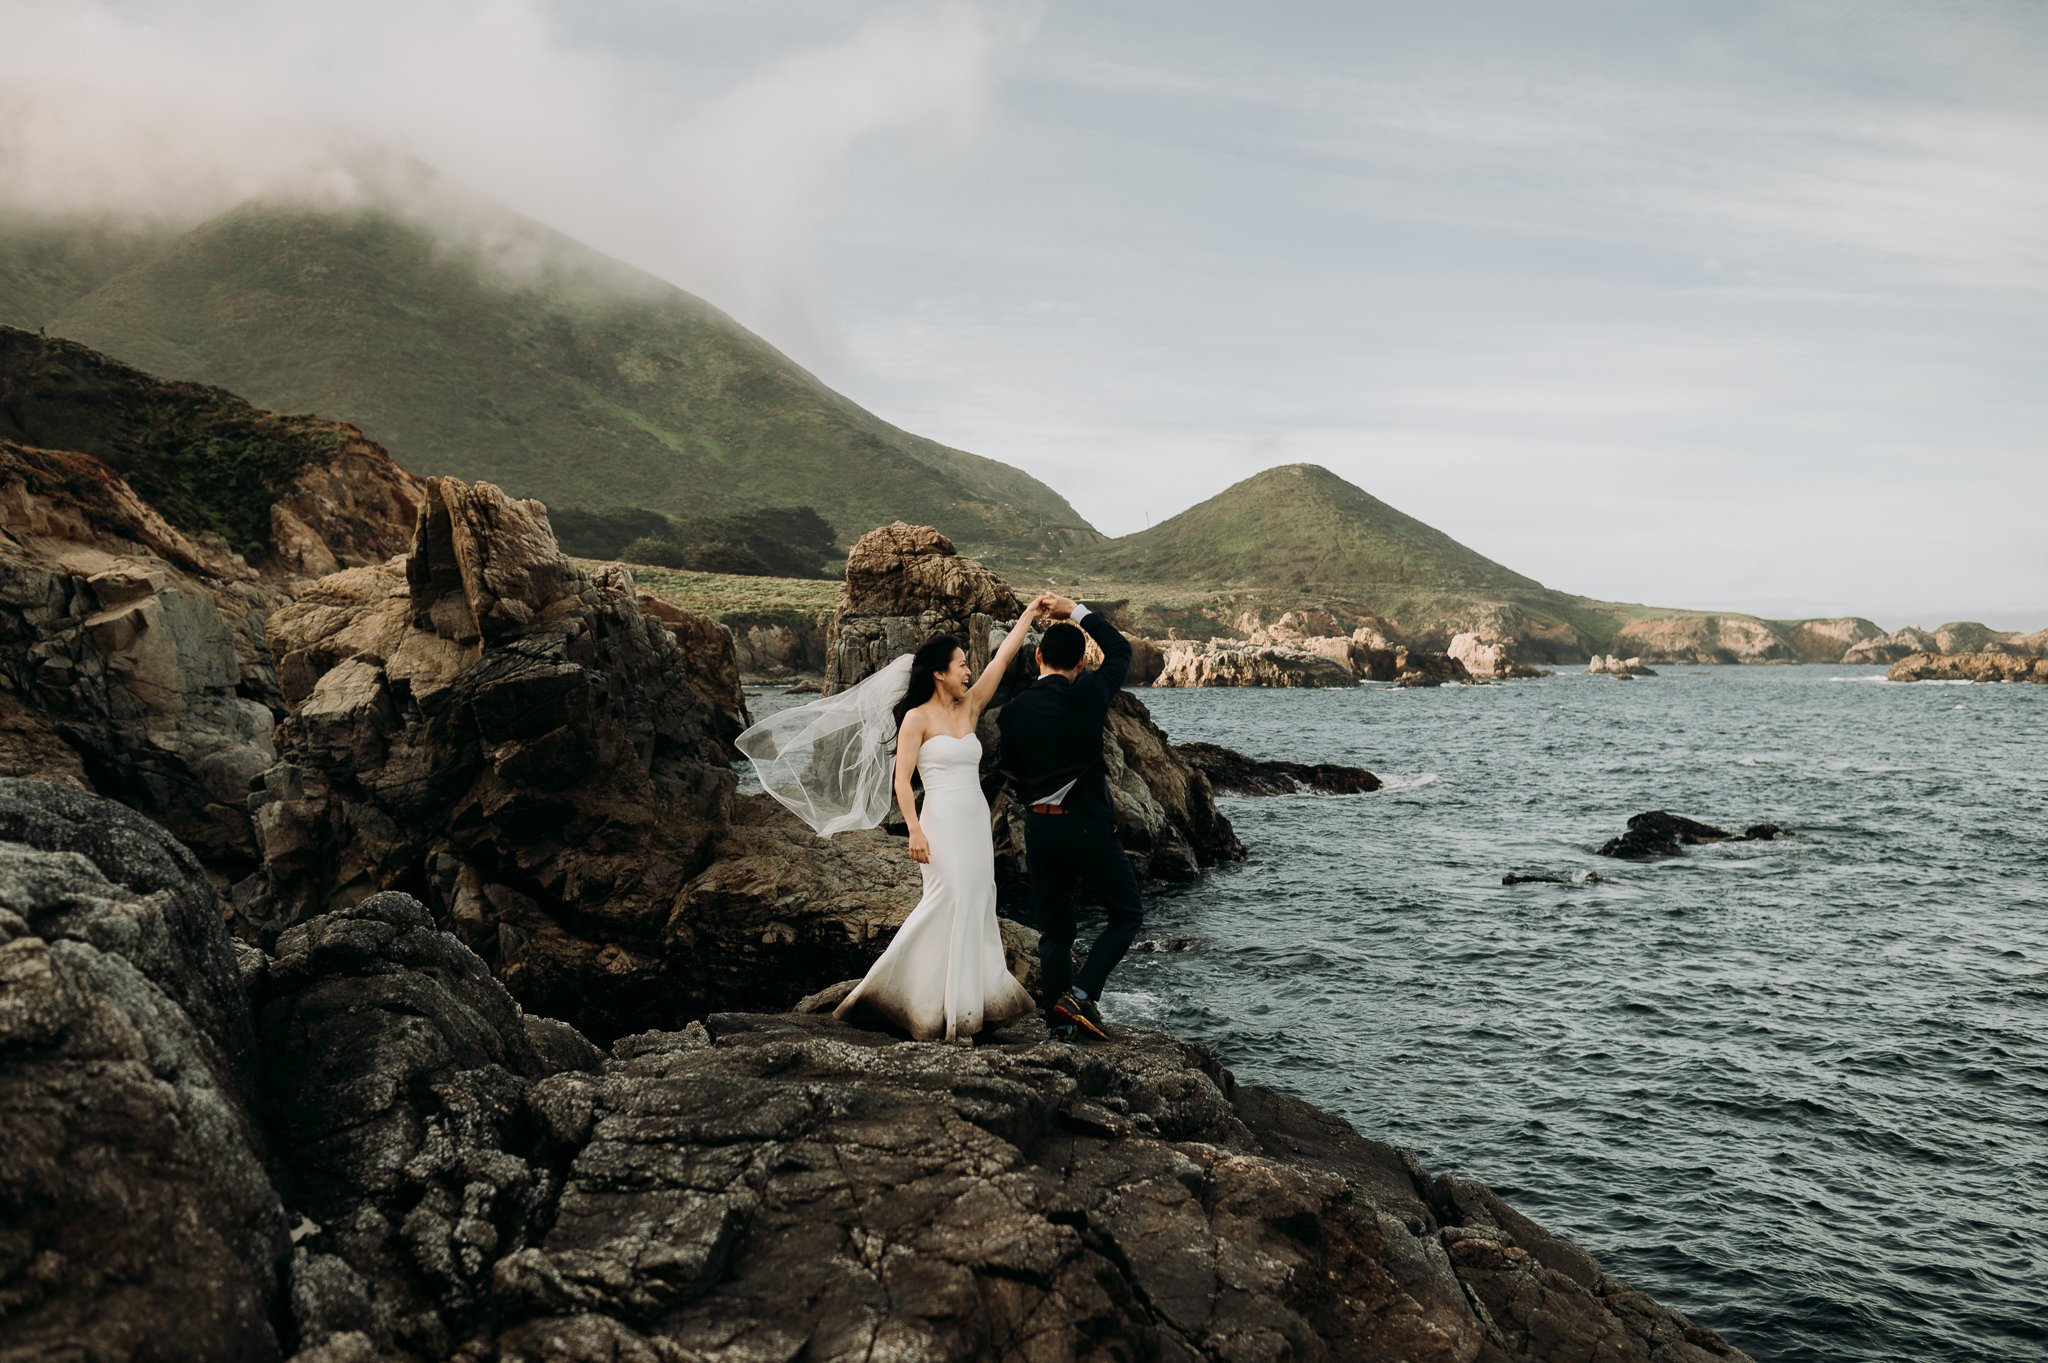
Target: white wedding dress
[945,975]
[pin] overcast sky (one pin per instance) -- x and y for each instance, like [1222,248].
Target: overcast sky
[1709,304]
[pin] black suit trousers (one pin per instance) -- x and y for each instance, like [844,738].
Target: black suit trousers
[1063,852]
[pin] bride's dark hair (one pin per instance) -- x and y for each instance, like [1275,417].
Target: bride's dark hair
[933,656]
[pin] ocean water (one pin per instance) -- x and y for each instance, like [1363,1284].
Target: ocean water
[1797,1089]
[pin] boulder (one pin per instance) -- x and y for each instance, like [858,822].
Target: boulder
[399,1079]
[904,584]
[1490,657]
[1661,834]
[1975,667]
[137,1215]
[519,742]
[1417,667]
[1232,773]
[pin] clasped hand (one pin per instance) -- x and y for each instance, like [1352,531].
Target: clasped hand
[1051,606]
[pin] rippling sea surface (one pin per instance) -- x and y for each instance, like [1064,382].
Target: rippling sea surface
[1797,1089]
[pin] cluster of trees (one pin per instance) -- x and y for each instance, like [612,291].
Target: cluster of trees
[788,541]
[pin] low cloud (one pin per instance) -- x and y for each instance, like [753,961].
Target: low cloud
[715,181]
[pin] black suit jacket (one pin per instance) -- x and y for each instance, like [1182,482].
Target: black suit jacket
[1052,729]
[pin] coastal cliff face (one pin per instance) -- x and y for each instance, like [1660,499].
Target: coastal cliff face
[1702,639]
[464,1180]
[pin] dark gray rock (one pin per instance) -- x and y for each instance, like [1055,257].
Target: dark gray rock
[137,1217]
[1658,833]
[1233,773]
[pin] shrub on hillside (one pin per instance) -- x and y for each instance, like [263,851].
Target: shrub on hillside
[658,550]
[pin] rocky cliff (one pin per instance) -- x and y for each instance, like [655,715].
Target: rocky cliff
[363,1149]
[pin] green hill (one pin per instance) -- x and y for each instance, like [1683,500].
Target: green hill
[533,362]
[1297,526]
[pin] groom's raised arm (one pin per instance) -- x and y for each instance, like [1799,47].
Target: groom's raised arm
[1116,650]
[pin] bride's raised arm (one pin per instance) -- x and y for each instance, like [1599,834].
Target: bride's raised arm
[984,689]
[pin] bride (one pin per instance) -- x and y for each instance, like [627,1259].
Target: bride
[944,975]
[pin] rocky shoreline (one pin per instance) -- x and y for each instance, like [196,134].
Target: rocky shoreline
[392,942]
[365,1150]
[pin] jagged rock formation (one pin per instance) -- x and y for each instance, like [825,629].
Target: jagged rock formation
[118,663]
[714,672]
[1232,773]
[1217,662]
[1661,834]
[133,650]
[1975,667]
[514,739]
[1490,657]
[464,1181]
[1617,667]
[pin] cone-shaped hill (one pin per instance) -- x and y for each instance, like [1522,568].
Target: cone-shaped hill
[521,357]
[1298,526]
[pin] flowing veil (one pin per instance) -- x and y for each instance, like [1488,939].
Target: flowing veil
[829,759]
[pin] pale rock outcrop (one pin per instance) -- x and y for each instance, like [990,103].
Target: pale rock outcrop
[1490,658]
[1975,667]
[1892,647]
[1702,639]
[1222,662]
[1830,641]
[1617,667]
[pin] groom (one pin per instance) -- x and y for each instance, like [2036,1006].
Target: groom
[1052,750]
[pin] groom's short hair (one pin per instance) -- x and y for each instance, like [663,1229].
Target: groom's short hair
[1063,645]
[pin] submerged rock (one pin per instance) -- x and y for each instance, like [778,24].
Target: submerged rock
[1661,834]
[1235,774]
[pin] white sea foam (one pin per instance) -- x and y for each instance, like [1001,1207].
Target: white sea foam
[1412,782]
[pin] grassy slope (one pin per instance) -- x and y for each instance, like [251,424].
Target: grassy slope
[204,458]
[576,380]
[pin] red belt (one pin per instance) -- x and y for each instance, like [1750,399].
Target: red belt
[1048,809]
